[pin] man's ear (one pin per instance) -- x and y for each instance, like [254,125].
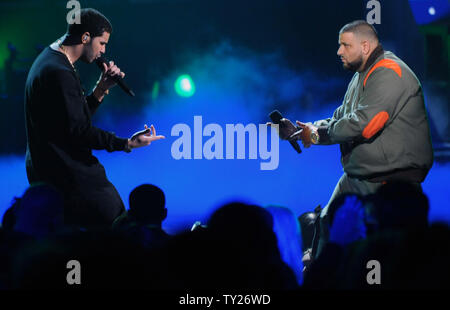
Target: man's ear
[164,214]
[365,47]
[86,37]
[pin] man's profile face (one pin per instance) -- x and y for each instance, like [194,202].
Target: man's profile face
[95,47]
[350,51]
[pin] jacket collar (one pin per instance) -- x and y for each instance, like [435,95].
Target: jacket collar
[377,52]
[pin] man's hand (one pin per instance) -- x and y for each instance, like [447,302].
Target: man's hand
[305,136]
[106,82]
[285,128]
[143,137]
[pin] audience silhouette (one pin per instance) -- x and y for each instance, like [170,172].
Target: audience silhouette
[142,223]
[242,246]
[287,231]
[40,212]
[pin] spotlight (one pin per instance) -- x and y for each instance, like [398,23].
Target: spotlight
[184,86]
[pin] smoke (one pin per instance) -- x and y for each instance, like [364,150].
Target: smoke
[233,79]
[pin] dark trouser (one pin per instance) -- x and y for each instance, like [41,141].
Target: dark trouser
[90,200]
[347,185]
[92,206]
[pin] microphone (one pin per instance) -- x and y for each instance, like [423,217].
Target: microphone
[117,78]
[287,129]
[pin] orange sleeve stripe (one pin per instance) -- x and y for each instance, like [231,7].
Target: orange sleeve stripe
[387,63]
[375,124]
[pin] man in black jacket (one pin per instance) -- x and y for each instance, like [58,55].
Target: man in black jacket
[60,135]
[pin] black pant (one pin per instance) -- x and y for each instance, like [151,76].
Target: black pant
[90,201]
[92,206]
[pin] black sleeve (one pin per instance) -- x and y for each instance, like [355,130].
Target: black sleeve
[79,130]
[93,103]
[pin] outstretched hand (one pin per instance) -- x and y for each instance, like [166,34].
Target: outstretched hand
[144,137]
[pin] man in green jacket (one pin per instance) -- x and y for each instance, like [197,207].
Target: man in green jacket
[382,124]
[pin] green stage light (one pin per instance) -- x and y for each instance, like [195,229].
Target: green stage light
[155,90]
[184,86]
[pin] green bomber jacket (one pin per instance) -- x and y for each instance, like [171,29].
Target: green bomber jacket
[382,125]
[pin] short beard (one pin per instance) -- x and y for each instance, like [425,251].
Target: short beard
[84,58]
[85,55]
[354,66]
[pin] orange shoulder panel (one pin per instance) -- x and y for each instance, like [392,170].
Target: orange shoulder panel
[375,124]
[387,63]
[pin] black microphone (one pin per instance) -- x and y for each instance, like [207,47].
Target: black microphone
[286,129]
[117,78]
